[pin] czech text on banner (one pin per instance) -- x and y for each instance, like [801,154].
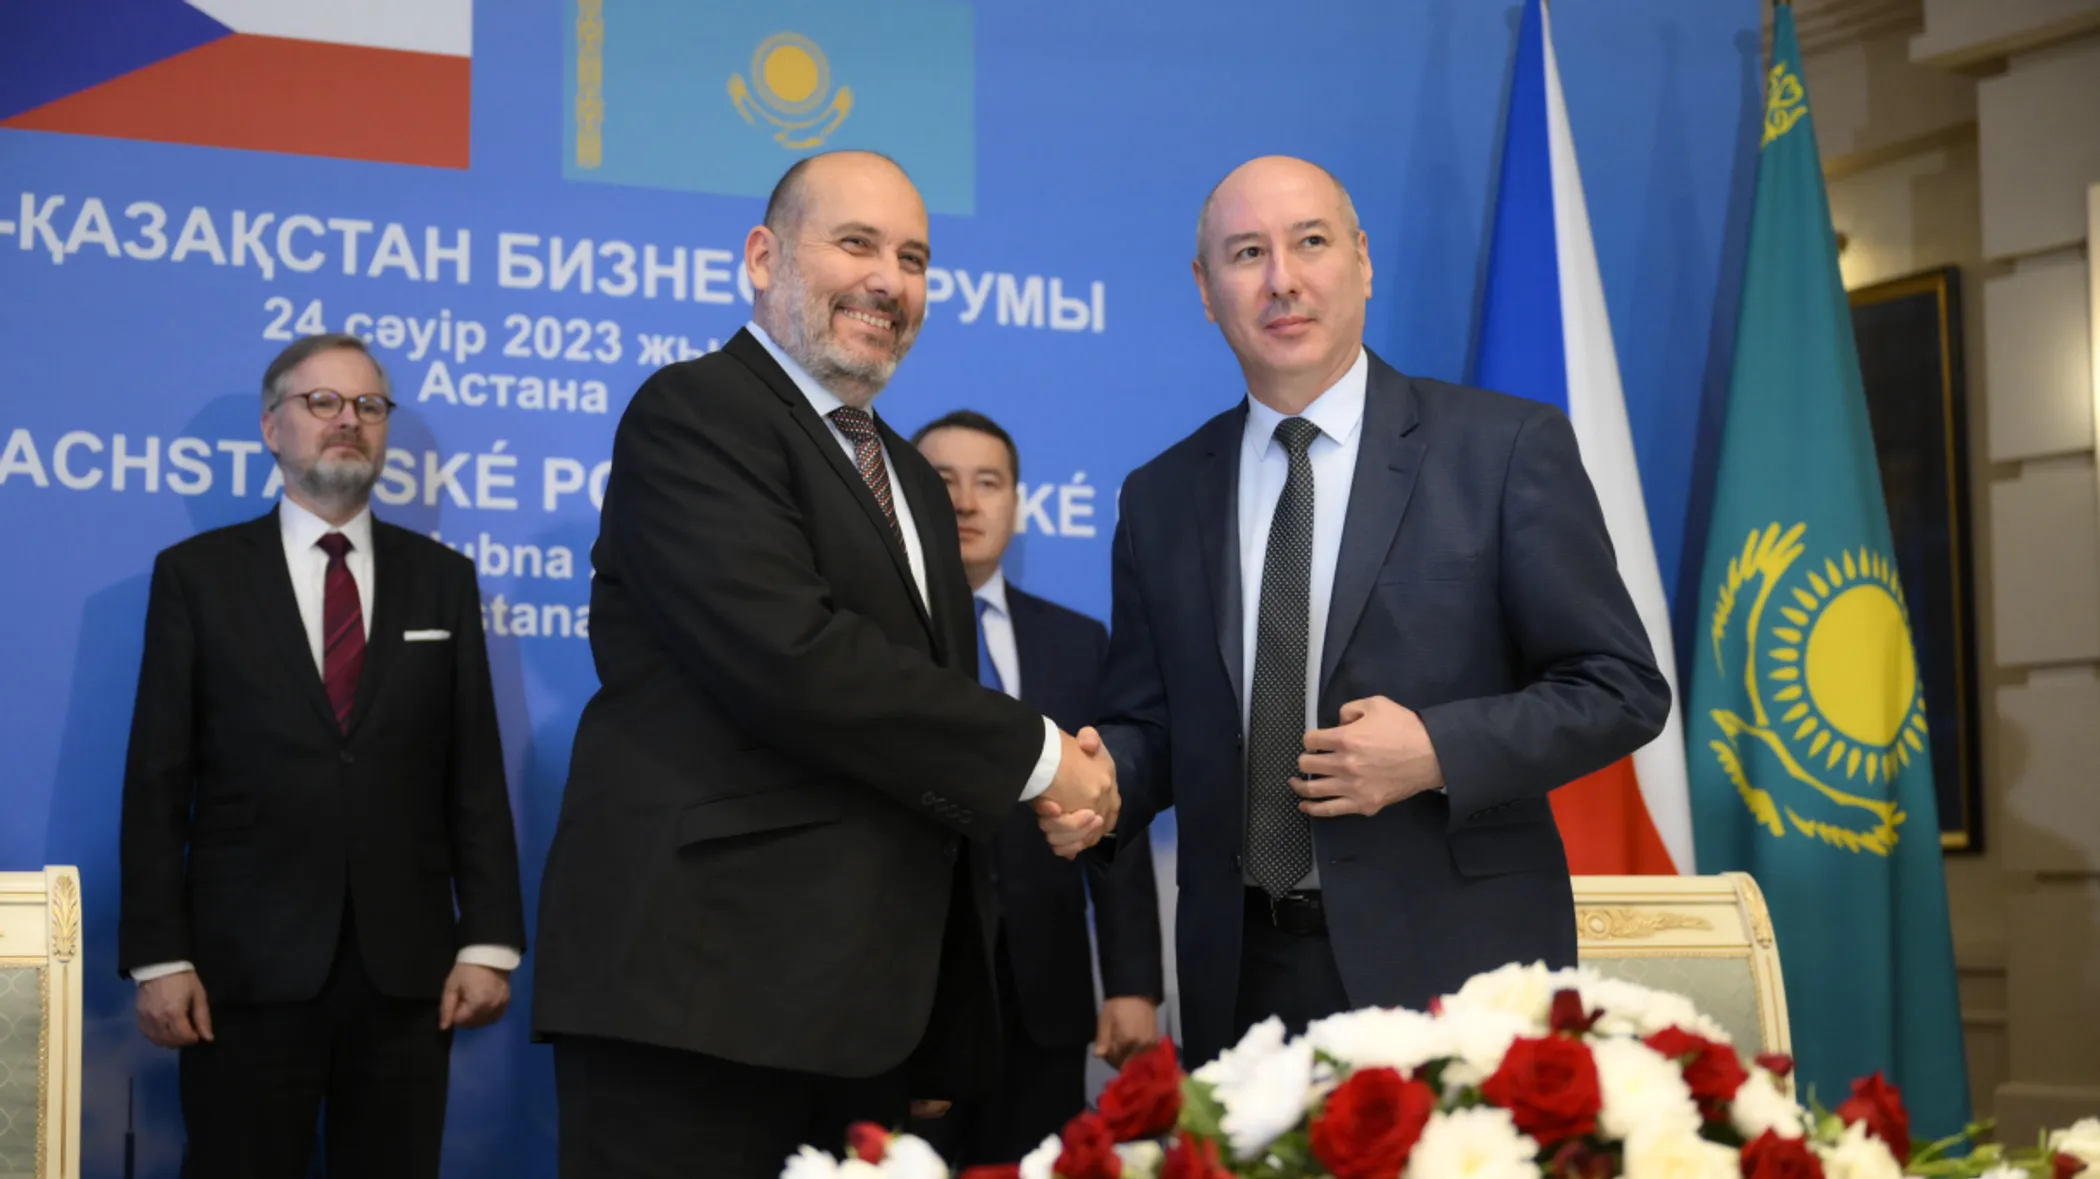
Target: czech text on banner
[1809,763]
[1545,334]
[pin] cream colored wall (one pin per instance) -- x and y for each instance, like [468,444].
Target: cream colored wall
[1968,136]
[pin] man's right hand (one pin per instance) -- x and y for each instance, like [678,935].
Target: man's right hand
[173,1011]
[1082,803]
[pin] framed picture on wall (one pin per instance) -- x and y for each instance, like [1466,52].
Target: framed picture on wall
[1910,357]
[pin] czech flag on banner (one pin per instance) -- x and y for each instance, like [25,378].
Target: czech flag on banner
[1545,334]
[389,81]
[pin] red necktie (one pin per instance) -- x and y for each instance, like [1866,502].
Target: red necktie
[342,630]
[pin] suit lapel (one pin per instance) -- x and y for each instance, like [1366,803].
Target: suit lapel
[1217,513]
[746,348]
[390,581]
[1387,460]
[270,579]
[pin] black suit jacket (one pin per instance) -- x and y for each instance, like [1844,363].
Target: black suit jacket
[779,784]
[1043,897]
[237,760]
[1476,585]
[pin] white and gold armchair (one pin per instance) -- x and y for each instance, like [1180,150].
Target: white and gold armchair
[1708,938]
[40,1024]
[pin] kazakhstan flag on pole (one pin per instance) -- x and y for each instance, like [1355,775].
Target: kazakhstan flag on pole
[1808,756]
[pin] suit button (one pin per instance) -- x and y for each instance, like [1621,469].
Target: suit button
[995,876]
[348,757]
[949,847]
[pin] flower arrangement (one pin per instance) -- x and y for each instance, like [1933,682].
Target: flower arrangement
[1524,1073]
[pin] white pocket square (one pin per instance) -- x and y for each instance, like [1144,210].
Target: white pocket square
[425,636]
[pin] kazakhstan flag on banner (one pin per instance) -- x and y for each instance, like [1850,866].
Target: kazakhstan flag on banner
[1808,754]
[721,96]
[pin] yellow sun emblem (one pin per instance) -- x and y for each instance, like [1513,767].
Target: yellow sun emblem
[1833,685]
[790,87]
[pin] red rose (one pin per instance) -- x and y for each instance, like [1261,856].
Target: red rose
[1568,1015]
[1549,1087]
[1779,1064]
[1144,1100]
[1577,1159]
[1880,1105]
[867,1141]
[1090,1153]
[1771,1157]
[1190,1157]
[993,1171]
[1711,1070]
[1371,1123]
[2063,1166]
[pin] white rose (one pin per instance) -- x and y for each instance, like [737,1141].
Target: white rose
[1261,1041]
[1477,1143]
[1383,1037]
[2081,1141]
[1631,1009]
[854,1168]
[1141,1160]
[1643,1090]
[1267,1098]
[810,1163]
[1522,991]
[1859,1156]
[2005,1171]
[909,1157]
[1481,1039]
[1759,1106]
[1038,1162]
[1678,1153]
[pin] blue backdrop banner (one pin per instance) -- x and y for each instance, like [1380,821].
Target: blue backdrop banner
[528,205]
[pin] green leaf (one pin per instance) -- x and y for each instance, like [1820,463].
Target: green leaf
[1201,1112]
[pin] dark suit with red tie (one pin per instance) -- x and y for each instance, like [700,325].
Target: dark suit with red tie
[320,862]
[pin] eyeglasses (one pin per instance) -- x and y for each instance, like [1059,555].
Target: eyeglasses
[327,404]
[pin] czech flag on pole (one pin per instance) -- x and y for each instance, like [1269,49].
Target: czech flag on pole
[1545,334]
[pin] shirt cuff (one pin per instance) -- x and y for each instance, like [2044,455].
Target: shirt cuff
[160,970]
[1046,765]
[494,957]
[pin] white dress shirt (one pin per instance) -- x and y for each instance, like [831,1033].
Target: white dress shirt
[999,633]
[308,565]
[824,401]
[1264,465]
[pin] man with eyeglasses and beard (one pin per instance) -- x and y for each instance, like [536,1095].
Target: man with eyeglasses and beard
[320,877]
[768,910]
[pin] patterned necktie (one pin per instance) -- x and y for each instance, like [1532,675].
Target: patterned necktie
[987,671]
[342,630]
[1279,835]
[859,429]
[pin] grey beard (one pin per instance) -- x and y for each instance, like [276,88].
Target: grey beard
[339,480]
[809,339]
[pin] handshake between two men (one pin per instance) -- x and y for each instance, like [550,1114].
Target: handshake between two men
[1081,804]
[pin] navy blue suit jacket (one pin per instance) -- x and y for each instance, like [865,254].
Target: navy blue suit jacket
[1475,585]
[1042,897]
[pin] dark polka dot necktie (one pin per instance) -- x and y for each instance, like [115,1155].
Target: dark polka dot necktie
[1279,835]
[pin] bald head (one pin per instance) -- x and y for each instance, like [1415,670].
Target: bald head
[790,200]
[1266,177]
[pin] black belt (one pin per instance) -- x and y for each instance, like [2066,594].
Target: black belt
[1294,912]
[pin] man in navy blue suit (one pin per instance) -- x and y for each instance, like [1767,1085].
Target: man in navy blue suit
[1363,624]
[1050,659]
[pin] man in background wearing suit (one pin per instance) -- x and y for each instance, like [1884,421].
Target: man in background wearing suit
[768,906]
[320,878]
[1049,658]
[1363,624]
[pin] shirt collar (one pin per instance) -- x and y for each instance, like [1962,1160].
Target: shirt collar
[820,399]
[302,528]
[1338,412]
[993,592]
